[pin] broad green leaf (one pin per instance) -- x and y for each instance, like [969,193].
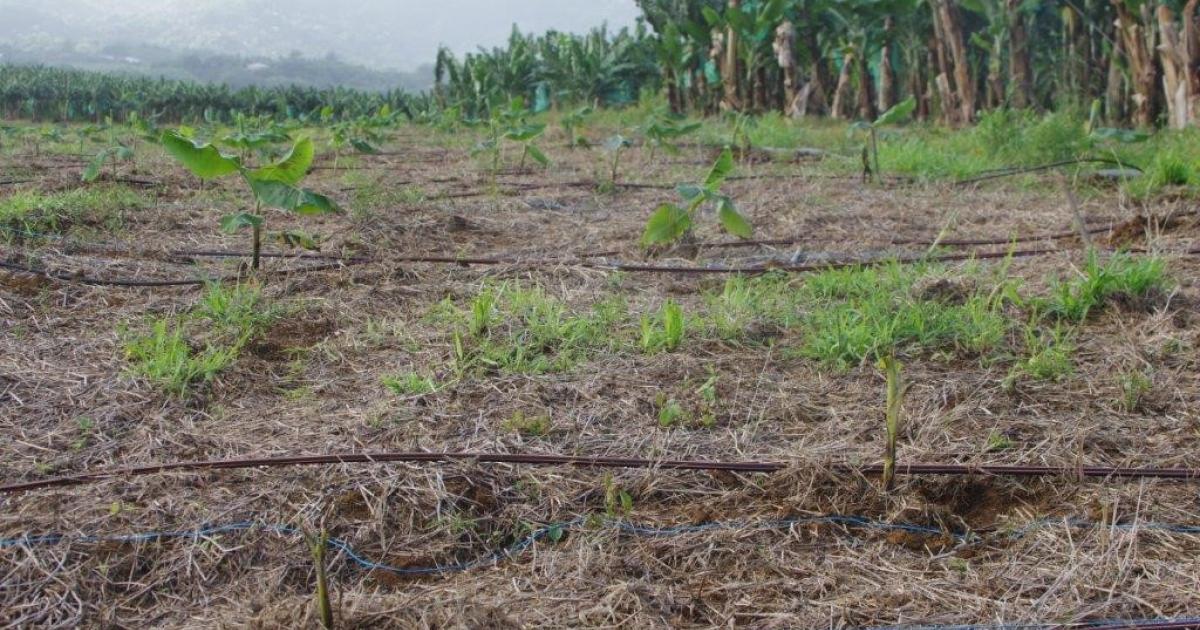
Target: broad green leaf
[273,194]
[92,172]
[525,133]
[123,152]
[362,146]
[720,170]
[898,113]
[537,154]
[233,222]
[689,192]
[1120,135]
[732,220]
[292,168]
[666,225]
[296,239]
[616,142]
[203,160]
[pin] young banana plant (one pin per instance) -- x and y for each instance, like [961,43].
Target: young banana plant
[118,152]
[894,116]
[662,130]
[272,186]
[670,222]
[895,399]
[571,122]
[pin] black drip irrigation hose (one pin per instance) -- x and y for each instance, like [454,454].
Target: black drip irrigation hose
[83,279]
[465,261]
[1022,170]
[1014,471]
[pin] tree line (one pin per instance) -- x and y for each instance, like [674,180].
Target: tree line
[56,94]
[1135,61]
[1132,62]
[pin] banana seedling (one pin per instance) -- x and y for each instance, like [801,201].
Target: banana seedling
[671,223]
[894,116]
[272,186]
[615,145]
[363,134]
[895,399]
[118,152]
[571,122]
[510,124]
[662,130]
[253,134]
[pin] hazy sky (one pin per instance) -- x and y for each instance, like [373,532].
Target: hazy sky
[385,33]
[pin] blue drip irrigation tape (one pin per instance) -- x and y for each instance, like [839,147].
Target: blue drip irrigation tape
[556,529]
[856,522]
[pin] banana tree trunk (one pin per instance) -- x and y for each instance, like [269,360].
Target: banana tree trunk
[761,92]
[841,108]
[785,56]
[993,96]
[887,72]
[957,77]
[1114,91]
[1191,48]
[1142,69]
[673,96]
[866,90]
[731,67]
[1181,83]
[918,81]
[1020,73]
[816,99]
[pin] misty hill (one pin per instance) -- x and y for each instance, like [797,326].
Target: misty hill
[234,70]
[378,33]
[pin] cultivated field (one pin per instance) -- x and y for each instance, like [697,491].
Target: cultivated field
[555,335]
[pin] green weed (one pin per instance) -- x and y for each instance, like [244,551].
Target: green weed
[1134,385]
[535,426]
[29,214]
[410,384]
[523,330]
[1048,357]
[230,315]
[997,441]
[1120,274]
[670,412]
[664,332]
[865,313]
[164,357]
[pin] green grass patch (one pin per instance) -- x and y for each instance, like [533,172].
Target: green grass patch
[181,352]
[410,384]
[1120,274]
[1047,356]
[523,330]
[165,357]
[29,214]
[863,314]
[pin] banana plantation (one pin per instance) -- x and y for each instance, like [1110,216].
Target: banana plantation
[1136,62]
[57,94]
[846,314]
[854,59]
